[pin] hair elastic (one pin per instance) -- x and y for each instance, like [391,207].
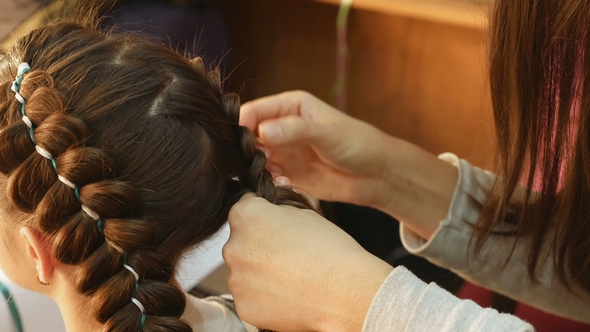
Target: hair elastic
[133,299]
[23,68]
[90,213]
[27,121]
[43,152]
[138,304]
[66,182]
[132,271]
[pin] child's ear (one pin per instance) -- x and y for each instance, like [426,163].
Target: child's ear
[39,249]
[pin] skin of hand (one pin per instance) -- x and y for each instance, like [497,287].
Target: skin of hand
[318,147]
[292,270]
[335,157]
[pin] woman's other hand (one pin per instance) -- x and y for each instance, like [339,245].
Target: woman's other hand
[338,158]
[292,270]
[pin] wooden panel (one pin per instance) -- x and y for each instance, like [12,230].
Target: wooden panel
[466,13]
[420,79]
[280,45]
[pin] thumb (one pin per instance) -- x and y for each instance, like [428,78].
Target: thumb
[285,130]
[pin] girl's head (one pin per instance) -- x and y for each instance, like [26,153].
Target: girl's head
[133,156]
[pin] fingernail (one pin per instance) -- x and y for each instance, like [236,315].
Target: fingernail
[271,131]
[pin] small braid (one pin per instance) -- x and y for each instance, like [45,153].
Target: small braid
[255,177]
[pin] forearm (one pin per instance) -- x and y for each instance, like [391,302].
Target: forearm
[499,265]
[415,187]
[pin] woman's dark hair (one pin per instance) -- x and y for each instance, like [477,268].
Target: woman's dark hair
[153,144]
[540,84]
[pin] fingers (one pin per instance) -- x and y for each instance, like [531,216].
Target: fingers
[271,107]
[247,209]
[285,130]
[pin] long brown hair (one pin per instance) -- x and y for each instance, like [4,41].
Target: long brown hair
[154,147]
[540,84]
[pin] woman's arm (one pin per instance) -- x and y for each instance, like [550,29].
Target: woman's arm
[339,158]
[291,269]
[406,303]
[495,268]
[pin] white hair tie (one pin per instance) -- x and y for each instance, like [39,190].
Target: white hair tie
[66,182]
[132,271]
[90,213]
[27,121]
[23,68]
[138,304]
[20,98]
[43,152]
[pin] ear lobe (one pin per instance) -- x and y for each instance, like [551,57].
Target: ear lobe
[38,248]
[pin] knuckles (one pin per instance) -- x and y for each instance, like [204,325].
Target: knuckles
[229,253]
[246,210]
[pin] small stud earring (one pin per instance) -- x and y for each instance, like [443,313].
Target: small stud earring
[41,282]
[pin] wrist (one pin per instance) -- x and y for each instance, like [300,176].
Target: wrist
[346,310]
[417,187]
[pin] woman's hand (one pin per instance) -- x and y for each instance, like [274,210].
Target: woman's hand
[292,270]
[338,158]
[333,156]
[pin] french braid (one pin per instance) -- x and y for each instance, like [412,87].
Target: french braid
[254,177]
[127,155]
[75,196]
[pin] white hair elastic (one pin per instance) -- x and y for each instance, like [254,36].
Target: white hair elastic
[110,243]
[135,274]
[27,121]
[90,213]
[43,152]
[20,98]
[23,68]
[66,182]
[138,304]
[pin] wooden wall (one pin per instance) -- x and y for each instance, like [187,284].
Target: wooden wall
[420,79]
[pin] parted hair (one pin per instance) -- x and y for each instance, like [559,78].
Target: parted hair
[540,85]
[153,144]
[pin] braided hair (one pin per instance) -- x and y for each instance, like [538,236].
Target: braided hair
[126,155]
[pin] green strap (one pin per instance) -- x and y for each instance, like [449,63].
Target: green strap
[12,307]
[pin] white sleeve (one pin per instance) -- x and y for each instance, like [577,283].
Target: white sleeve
[406,303]
[494,268]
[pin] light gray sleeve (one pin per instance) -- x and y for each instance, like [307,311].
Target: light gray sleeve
[492,269]
[406,303]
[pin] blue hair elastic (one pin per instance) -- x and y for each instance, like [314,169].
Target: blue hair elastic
[142,322]
[23,68]
[135,288]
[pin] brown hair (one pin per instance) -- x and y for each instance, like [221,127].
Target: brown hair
[540,83]
[154,146]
